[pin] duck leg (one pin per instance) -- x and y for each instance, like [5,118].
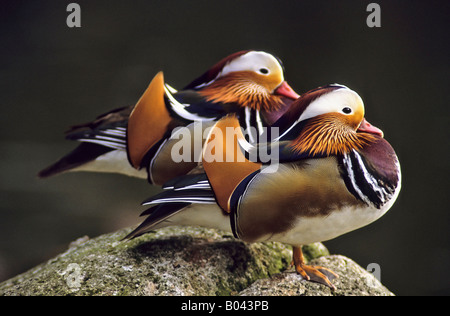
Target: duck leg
[312,273]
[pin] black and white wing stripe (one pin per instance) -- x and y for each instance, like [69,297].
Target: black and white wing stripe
[200,185]
[114,138]
[362,183]
[107,130]
[182,109]
[197,196]
[177,195]
[186,189]
[253,124]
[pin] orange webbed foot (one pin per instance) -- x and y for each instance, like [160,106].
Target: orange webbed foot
[312,273]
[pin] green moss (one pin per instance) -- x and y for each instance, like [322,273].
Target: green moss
[314,251]
[171,261]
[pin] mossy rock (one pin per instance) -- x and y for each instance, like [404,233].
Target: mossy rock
[172,261]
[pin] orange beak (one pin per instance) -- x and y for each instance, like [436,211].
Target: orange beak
[369,128]
[285,90]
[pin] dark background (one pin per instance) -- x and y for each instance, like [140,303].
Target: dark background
[52,76]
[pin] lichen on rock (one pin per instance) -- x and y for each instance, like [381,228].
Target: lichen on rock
[178,261]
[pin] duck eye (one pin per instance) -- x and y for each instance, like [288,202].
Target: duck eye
[347,110]
[264,71]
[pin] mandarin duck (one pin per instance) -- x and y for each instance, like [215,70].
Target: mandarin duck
[334,173]
[248,83]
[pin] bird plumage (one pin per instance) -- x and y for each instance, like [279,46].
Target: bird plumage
[162,108]
[313,194]
[230,88]
[102,148]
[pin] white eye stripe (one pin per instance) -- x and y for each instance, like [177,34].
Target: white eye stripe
[259,62]
[334,101]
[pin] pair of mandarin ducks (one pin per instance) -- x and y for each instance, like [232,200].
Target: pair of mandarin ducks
[333,171]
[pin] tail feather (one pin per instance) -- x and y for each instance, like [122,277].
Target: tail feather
[198,196]
[84,153]
[157,215]
[187,182]
[178,194]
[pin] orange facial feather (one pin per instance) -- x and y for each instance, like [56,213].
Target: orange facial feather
[245,88]
[330,134]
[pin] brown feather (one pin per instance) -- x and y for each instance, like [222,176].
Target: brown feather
[309,188]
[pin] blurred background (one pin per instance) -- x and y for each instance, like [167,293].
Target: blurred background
[53,76]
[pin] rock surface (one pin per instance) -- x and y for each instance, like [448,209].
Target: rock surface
[353,281]
[185,261]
